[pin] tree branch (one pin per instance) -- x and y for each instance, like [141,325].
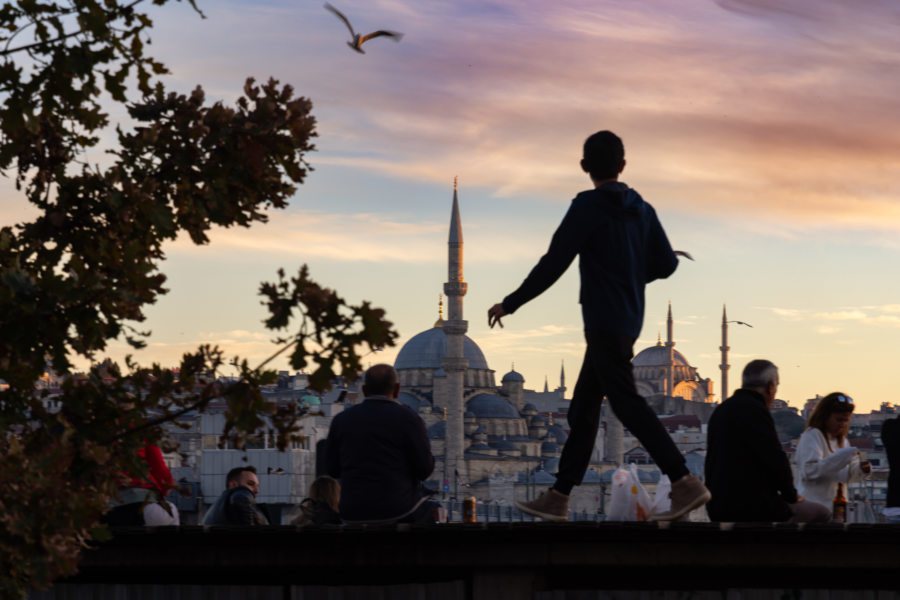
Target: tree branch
[7,51]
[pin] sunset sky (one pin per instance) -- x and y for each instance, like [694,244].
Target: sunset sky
[765,133]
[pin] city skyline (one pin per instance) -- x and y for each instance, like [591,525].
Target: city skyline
[766,138]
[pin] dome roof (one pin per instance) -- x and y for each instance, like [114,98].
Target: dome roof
[656,356]
[529,408]
[558,433]
[549,447]
[503,445]
[513,376]
[425,351]
[547,476]
[539,420]
[438,431]
[410,400]
[489,406]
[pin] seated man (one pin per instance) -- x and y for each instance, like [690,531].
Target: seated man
[890,437]
[237,504]
[747,470]
[379,451]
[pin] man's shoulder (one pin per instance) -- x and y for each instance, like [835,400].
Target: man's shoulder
[377,407]
[742,402]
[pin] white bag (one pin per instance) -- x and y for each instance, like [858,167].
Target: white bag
[662,502]
[629,501]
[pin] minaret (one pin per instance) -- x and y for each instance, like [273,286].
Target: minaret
[723,368]
[670,355]
[546,385]
[562,380]
[454,362]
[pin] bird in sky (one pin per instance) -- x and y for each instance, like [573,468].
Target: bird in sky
[684,254]
[740,323]
[358,39]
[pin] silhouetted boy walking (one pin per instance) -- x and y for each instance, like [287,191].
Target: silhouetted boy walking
[621,247]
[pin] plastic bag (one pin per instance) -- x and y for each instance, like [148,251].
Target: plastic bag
[662,502]
[629,501]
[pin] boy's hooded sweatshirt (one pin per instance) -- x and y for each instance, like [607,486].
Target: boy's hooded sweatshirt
[622,247]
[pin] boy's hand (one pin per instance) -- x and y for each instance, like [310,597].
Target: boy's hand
[494,314]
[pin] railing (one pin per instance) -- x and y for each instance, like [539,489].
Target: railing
[507,513]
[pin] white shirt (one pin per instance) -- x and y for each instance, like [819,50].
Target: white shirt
[820,468]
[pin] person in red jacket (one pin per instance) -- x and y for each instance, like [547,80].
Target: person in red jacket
[142,501]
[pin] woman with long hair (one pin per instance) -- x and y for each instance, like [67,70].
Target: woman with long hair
[824,456]
[321,506]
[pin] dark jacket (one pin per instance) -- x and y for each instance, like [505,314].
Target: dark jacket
[747,471]
[379,451]
[236,506]
[621,247]
[890,437]
[316,512]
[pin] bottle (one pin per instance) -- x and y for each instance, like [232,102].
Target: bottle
[469,510]
[840,505]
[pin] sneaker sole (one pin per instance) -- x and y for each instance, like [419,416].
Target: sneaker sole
[537,513]
[674,516]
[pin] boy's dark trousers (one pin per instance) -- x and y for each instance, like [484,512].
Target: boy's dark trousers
[607,371]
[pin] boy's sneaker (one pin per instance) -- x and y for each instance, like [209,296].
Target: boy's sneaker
[687,494]
[550,505]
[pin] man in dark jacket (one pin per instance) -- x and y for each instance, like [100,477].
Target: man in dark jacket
[379,450]
[237,504]
[890,437]
[621,247]
[746,468]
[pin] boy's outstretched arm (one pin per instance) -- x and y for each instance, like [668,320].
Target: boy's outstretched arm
[494,314]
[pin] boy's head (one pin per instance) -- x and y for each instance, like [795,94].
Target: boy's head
[604,156]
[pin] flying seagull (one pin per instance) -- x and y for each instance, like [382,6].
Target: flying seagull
[684,254]
[358,40]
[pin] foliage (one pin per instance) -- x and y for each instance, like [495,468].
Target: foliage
[81,273]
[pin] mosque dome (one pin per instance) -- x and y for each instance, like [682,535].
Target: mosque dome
[481,449]
[547,477]
[489,406]
[504,445]
[410,400]
[438,431]
[425,351]
[529,409]
[513,377]
[548,447]
[656,356]
[558,433]
[311,400]
[551,466]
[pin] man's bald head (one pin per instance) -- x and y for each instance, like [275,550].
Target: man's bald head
[381,380]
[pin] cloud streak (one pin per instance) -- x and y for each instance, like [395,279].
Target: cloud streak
[361,237]
[882,315]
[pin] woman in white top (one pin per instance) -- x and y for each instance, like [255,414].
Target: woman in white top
[824,457]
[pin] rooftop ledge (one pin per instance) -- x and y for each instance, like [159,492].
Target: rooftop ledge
[496,560]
